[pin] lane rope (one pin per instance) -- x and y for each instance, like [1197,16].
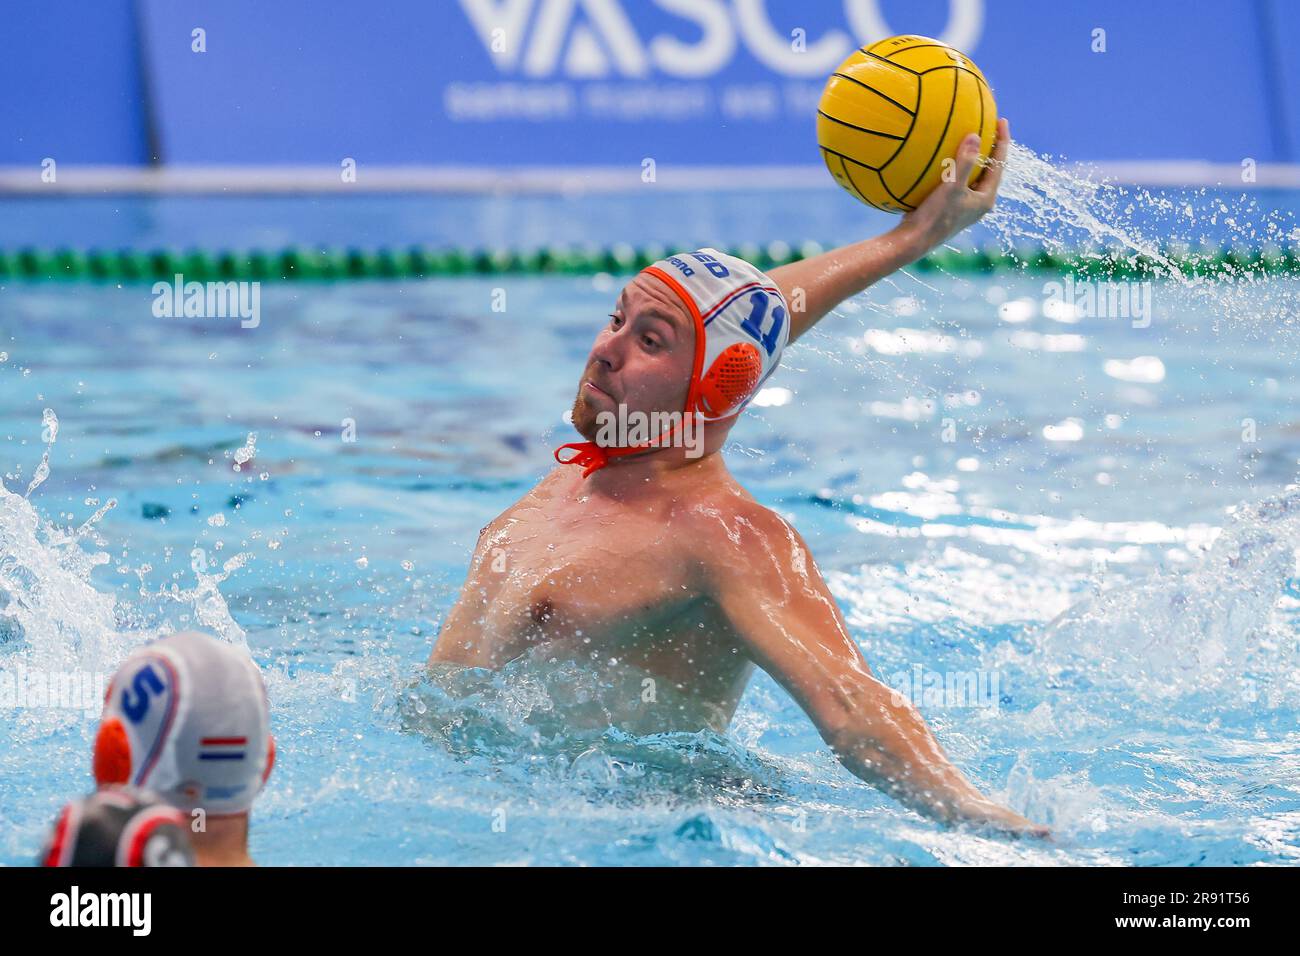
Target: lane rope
[419,262]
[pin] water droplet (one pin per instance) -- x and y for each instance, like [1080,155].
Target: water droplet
[248,451]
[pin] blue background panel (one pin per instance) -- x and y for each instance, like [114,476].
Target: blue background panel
[71,80]
[610,82]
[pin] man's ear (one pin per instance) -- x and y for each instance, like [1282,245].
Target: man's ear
[270,758]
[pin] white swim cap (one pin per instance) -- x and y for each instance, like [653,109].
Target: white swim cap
[742,325]
[187,717]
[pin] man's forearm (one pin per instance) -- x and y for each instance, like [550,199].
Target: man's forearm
[814,286]
[894,751]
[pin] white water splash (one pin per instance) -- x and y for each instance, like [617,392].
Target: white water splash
[1043,205]
[50,604]
[1064,211]
[1047,204]
[1208,627]
[210,609]
[49,434]
[52,616]
[247,453]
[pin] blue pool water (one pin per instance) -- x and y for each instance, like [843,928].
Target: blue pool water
[1108,543]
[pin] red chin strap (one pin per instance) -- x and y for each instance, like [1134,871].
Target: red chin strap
[590,456]
[593,457]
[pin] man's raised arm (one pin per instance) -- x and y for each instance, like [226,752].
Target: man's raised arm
[824,281]
[762,577]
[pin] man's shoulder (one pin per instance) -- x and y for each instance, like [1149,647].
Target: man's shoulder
[539,495]
[738,543]
[721,523]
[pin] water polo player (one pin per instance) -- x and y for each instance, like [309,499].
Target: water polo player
[119,826]
[648,552]
[187,717]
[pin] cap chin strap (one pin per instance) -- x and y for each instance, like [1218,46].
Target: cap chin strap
[587,454]
[593,457]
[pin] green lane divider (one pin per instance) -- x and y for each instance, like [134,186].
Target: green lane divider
[418,262]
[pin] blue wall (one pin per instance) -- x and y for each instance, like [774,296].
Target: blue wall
[70,83]
[402,81]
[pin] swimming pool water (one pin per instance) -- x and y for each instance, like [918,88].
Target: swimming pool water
[1155,723]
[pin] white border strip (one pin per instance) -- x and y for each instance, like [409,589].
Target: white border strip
[208,180]
[403,179]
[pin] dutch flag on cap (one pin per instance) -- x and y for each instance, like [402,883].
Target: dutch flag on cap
[223,748]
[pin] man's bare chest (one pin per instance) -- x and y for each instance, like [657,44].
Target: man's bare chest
[595,573]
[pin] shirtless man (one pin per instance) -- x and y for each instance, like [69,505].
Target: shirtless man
[653,556]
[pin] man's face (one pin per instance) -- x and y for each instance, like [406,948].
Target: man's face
[642,359]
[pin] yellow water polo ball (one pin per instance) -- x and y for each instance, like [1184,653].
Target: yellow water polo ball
[892,115]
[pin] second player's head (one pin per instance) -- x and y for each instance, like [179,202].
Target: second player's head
[187,717]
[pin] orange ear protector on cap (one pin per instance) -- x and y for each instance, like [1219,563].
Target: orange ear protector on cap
[741,327]
[731,379]
[112,760]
